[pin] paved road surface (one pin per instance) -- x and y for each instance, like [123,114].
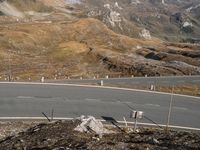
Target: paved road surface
[23,100]
[175,80]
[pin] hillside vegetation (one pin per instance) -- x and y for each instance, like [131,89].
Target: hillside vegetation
[58,41]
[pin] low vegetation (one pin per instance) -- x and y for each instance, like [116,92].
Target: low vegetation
[60,135]
[58,41]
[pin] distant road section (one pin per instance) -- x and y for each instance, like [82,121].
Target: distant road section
[30,100]
[171,80]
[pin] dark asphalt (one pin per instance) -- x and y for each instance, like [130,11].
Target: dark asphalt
[18,100]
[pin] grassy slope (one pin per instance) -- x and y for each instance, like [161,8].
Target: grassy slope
[63,48]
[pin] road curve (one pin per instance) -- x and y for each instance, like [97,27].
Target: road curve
[30,100]
[162,81]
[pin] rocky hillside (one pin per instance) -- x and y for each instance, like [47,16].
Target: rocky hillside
[60,39]
[170,20]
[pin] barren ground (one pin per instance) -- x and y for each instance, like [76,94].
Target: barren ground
[60,135]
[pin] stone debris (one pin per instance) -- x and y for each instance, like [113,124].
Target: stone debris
[90,123]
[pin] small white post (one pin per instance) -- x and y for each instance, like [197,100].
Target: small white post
[170,109]
[42,79]
[136,115]
[101,83]
[125,122]
[135,126]
[152,88]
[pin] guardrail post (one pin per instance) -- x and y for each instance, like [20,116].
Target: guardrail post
[101,83]
[42,79]
[170,110]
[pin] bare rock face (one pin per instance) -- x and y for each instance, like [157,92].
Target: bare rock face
[164,18]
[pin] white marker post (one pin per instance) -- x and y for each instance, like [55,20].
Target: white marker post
[136,115]
[101,83]
[42,79]
[170,109]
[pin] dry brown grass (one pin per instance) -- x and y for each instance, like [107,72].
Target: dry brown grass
[63,49]
[25,5]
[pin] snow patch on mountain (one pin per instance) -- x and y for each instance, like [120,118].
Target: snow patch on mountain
[117,5]
[192,8]
[114,18]
[94,13]
[187,24]
[73,1]
[135,2]
[108,6]
[145,34]
[111,16]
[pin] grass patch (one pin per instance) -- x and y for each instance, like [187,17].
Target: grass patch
[68,49]
[27,5]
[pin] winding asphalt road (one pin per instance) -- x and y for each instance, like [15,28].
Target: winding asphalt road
[168,81]
[30,100]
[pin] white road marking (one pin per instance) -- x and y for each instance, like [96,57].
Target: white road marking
[92,100]
[180,108]
[153,105]
[24,97]
[63,118]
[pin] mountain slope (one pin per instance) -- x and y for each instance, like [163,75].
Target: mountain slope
[57,41]
[170,20]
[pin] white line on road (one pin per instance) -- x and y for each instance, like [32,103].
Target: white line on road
[92,100]
[24,97]
[180,108]
[63,118]
[153,105]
